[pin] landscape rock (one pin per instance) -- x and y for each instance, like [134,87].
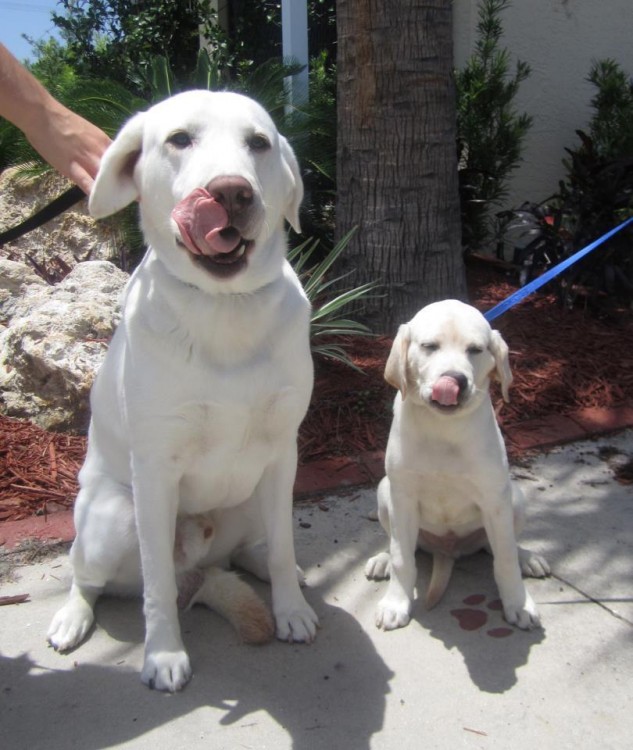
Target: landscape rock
[55,340]
[16,281]
[70,238]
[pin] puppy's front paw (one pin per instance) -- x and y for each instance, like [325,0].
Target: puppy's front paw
[166,670]
[378,567]
[296,625]
[393,613]
[70,625]
[524,615]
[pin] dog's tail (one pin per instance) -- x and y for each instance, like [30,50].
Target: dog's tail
[224,592]
[440,576]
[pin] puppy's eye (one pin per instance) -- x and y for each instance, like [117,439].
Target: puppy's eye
[258,142]
[430,346]
[180,139]
[474,349]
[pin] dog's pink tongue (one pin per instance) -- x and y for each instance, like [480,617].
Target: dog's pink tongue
[445,391]
[203,224]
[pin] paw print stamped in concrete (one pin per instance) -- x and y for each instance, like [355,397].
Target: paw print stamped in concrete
[475,617]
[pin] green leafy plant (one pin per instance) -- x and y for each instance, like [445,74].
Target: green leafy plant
[490,131]
[610,128]
[329,327]
[595,196]
[597,193]
[117,39]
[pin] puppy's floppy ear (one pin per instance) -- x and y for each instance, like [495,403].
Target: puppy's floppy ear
[115,187]
[500,352]
[396,367]
[295,183]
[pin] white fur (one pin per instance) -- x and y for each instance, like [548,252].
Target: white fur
[197,405]
[448,489]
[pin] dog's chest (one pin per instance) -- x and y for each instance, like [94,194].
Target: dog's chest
[447,491]
[447,502]
[221,450]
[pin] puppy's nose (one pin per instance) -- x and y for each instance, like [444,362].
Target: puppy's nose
[234,194]
[458,377]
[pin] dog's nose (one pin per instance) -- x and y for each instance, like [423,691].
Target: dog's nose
[234,194]
[459,378]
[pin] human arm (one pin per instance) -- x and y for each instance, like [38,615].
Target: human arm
[68,142]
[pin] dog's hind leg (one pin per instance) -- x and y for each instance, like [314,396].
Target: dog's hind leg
[104,520]
[225,593]
[440,576]
[253,559]
[378,567]
[532,564]
[72,622]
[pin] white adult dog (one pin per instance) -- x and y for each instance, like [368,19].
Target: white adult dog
[448,489]
[196,408]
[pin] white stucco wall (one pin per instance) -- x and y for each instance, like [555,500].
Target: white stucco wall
[559,39]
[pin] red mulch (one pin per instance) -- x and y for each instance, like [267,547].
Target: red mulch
[38,469]
[562,361]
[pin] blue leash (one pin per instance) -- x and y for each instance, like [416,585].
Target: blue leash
[526,290]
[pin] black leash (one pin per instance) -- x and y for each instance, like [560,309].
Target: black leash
[62,203]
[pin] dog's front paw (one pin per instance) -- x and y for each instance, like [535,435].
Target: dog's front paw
[393,613]
[70,625]
[533,564]
[378,567]
[524,615]
[166,670]
[296,625]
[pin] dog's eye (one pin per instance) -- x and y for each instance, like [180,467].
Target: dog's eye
[180,139]
[258,142]
[474,349]
[430,346]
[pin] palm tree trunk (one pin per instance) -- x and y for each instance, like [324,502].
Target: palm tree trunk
[396,153]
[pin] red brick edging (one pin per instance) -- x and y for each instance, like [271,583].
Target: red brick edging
[338,473]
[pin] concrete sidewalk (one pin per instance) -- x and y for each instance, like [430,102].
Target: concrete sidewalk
[456,677]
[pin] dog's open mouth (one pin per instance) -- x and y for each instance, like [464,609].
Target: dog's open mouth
[206,234]
[222,265]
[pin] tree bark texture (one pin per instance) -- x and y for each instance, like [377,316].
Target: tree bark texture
[397,155]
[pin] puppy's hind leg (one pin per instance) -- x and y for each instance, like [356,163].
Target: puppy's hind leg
[378,567]
[532,564]
[225,593]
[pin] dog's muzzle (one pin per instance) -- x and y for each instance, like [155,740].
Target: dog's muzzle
[449,389]
[207,225]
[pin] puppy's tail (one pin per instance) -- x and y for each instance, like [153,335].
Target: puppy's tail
[224,592]
[440,576]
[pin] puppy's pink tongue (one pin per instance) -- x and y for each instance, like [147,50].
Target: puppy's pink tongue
[203,224]
[445,391]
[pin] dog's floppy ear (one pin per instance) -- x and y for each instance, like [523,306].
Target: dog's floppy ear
[115,187]
[500,352]
[396,367]
[295,194]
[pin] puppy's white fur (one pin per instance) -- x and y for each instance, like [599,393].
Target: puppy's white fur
[197,405]
[448,488]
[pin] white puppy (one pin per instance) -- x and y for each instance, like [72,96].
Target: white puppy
[448,490]
[197,405]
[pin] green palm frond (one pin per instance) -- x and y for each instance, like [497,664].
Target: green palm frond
[328,320]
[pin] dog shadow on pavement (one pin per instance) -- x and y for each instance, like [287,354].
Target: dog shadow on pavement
[309,694]
[470,618]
